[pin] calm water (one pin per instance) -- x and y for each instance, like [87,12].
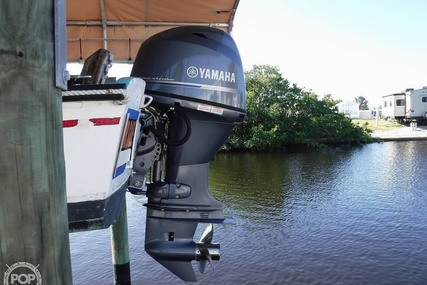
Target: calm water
[342,215]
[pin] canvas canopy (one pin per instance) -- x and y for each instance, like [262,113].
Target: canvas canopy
[122,25]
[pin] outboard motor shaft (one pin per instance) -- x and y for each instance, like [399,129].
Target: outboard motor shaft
[196,79]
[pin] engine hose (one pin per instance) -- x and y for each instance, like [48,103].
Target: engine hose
[162,138]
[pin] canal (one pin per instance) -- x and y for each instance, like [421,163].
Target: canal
[334,215]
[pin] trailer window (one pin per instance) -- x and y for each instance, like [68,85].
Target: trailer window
[424,99]
[400,102]
[385,103]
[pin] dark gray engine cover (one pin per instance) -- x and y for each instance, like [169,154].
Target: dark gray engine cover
[200,63]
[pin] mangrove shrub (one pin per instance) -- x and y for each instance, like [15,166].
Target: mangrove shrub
[280,113]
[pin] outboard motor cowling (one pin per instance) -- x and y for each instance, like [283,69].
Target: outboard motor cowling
[196,78]
[192,64]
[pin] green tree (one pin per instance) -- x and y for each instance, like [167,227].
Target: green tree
[327,98]
[280,113]
[363,103]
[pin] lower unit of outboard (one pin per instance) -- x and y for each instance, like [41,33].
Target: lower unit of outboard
[196,79]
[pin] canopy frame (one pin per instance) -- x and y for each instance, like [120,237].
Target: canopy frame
[122,33]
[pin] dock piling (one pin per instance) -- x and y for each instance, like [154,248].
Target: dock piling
[34,242]
[120,249]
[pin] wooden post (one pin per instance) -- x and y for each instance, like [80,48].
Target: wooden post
[120,249]
[34,242]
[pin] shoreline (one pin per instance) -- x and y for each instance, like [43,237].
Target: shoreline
[405,133]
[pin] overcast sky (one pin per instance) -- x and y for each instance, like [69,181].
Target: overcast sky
[345,48]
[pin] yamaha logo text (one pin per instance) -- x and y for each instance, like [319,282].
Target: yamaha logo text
[214,74]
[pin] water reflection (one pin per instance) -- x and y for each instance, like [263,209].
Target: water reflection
[337,215]
[334,215]
[258,191]
[271,183]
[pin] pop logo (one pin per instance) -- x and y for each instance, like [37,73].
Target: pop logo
[22,273]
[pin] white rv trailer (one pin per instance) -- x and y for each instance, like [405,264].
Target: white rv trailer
[410,105]
[394,106]
[416,104]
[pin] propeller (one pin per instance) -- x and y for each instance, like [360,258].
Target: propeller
[171,243]
[206,250]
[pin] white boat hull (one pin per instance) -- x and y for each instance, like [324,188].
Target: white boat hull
[99,138]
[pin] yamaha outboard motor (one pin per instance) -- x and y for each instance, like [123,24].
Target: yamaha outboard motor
[196,79]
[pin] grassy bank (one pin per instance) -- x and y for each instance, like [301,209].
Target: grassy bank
[383,125]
